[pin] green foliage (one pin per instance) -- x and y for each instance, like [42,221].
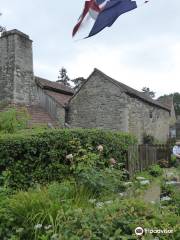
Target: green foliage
[176,100]
[155,170]
[173,192]
[148,92]
[46,213]
[173,161]
[108,180]
[42,157]
[63,77]
[148,139]
[13,120]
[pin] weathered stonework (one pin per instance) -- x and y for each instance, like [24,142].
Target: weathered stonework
[148,119]
[101,103]
[16,68]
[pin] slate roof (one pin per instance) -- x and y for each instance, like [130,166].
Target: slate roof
[60,98]
[53,86]
[166,100]
[128,90]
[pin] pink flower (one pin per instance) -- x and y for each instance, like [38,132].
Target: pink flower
[100,148]
[112,161]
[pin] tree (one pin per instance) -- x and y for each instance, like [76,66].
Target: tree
[148,92]
[63,77]
[77,83]
[176,101]
[2,29]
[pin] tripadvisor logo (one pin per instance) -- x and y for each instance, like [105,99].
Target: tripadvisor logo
[139,231]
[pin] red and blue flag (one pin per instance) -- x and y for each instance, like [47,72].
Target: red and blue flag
[103,13]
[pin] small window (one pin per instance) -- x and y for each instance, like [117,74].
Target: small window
[150,114]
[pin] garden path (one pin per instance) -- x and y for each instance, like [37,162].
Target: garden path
[153,193]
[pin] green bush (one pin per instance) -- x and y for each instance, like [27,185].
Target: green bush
[47,214]
[52,155]
[12,120]
[173,161]
[108,180]
[155,170]
[148,139]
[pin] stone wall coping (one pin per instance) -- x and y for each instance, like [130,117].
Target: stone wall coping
[15,31]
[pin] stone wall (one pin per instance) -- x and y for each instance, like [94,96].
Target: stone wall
[16,68]
[147,119]
[99,104]
[102,104]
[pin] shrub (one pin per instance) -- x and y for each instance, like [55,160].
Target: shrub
[53,155]
[148,139]
[12,120]
[173,161]
[40,215]
[155,170]
[107,181]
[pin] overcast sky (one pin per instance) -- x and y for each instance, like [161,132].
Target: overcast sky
[142,48]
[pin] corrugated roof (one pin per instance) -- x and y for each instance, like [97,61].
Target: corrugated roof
[54,86]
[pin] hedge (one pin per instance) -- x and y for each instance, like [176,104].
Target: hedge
[41,157]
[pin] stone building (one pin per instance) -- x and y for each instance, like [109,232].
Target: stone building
[103,102]
[168,102]
[45,100]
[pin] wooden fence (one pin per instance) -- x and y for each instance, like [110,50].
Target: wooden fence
[140,157]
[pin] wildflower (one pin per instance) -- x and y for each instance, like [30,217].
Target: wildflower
[121,194]
[54,236]
[47,227]
[127,183]
[69,157]
[100,148]
[19,230]
[166,198]
[99,204]
[109,202]
[140,178]
[112,161]
[38,226]
[145,182]
[92,200]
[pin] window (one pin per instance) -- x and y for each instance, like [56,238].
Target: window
[150,114]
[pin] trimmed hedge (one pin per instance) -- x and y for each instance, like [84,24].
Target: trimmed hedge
[26,159]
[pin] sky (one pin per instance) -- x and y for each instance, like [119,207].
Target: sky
[141,49]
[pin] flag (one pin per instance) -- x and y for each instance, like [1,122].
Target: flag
[103,13]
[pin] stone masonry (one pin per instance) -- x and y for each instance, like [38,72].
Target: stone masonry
[45,100]
[16,68]
[101,102]
[105,103]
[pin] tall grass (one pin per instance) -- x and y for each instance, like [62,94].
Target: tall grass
[44,205]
